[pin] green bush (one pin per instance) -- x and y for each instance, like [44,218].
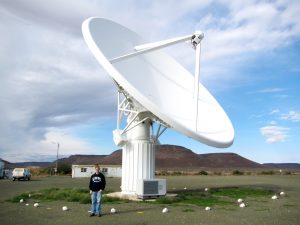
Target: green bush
[237,172]
[64,169]
[40,171]
[203,172]
[162,173]
[177,173]
[269,172]
[218,173]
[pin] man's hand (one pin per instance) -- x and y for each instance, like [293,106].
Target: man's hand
[91,192]
[100,190]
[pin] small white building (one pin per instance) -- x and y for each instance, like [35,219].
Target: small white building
[88,170]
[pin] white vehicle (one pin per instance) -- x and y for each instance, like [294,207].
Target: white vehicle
[21,173]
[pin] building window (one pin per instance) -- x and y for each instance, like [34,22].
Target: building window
[104,170]
[83,170]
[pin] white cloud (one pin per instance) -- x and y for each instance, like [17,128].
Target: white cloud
[291,116]
[281,96]
[68,143]
[274,111]
[274,134]
[48,79]
[270,90]
[273,122]
[45,149]
[240,34]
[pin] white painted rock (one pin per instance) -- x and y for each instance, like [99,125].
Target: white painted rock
[29,195]
[113,210]
[207,208]
[274,197]
[64,208]
[27,204]
[36,204]
[240,200]
[242,205]
[185,188]
[206,189]
[21,200]
[165,210]
[282,193]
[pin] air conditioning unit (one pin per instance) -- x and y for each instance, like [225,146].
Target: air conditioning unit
[150,188]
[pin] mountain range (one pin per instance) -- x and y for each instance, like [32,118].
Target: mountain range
[169,157]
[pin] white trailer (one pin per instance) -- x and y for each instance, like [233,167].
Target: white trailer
[88,170]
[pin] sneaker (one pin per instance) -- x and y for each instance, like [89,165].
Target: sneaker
[92,214]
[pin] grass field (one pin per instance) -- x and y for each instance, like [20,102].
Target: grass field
[261,210]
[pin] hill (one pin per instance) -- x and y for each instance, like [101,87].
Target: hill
[171,156]
[82,159]
[283,165]
[168,157]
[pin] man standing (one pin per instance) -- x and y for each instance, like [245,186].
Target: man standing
[97,185]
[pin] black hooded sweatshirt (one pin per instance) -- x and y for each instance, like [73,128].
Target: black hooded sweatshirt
[97,182]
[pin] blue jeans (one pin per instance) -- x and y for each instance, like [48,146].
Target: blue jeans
[96,202]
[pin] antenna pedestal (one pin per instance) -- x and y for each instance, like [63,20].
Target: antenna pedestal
[138,157]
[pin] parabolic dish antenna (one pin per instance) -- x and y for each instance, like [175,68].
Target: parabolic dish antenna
[158,83]
[153,87]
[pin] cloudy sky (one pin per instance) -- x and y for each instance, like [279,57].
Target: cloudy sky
[52,90]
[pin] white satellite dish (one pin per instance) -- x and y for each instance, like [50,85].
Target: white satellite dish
[153,87]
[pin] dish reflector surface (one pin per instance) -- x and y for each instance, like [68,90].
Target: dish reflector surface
[159,83]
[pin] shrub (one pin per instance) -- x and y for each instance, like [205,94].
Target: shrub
[177,173]
[218,173]
[237,172]
[64,169]
[162,173]
[202,172]
[269,172]
[40,171]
